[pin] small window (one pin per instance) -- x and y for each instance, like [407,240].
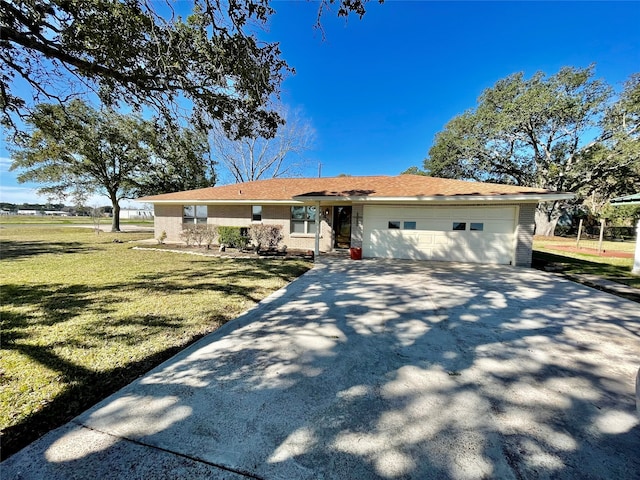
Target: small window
[194,214]
[409,225]
[256,213]
[394,224]
[459,225]
[478,227]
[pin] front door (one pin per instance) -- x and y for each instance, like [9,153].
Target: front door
[342,227]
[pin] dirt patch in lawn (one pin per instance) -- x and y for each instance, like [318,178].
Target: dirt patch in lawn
[590,251]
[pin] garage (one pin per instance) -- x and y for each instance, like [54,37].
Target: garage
[476,234]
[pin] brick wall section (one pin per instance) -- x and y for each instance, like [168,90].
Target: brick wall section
[168,218]
[524,240]
[229,215]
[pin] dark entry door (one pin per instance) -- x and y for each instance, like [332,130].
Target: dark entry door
[342,227]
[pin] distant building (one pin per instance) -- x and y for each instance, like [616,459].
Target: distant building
[136,214]
[29,212]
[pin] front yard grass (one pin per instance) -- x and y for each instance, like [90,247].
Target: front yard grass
[83,316]
[53,220]
[572,263]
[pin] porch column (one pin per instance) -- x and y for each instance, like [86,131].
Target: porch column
[316,250]
[636,260]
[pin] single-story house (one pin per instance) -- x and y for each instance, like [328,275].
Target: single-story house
[407,216]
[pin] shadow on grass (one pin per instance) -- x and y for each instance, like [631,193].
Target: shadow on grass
[85,388]
[51,304]
[14,250]
[616,273]
[573,268]
[395,370]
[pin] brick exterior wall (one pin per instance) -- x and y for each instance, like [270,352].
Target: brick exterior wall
[168,218]
[524,234]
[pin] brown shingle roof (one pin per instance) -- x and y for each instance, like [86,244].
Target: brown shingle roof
[403,186]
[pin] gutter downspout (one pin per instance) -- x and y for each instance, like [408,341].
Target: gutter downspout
[316,251]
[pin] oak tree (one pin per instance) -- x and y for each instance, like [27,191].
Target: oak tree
[203,55]
[78,150]
[559,132]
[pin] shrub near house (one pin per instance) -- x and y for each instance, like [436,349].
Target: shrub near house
[199,234]
[265,237]
[234,237]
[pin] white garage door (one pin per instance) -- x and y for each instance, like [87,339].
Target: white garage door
[458,234]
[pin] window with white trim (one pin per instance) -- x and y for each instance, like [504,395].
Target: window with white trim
[303,219]
[478,227]
[194,214]
[256,213]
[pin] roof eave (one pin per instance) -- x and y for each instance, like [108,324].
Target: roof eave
[626,200]
[253,201]
[522,198]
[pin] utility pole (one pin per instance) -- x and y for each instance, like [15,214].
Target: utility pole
[319,169]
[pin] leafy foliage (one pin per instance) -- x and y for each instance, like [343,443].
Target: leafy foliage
[145,53]
[235,237]
[77,150]
[414,171]
[180,160]
[558,132]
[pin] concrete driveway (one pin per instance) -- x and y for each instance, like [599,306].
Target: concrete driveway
[380,369]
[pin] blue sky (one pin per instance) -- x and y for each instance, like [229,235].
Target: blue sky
[377,90]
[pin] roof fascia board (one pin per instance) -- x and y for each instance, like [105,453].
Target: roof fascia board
[533,198]
[224,202]
[300,200]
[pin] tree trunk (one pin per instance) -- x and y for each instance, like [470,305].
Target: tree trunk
[546,220]
[115,218]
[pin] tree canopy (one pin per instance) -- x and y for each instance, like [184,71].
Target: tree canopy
[256,157]
[146,53]
[77,150]
[562,132]
[180,159]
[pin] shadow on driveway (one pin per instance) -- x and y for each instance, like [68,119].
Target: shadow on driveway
[380,369]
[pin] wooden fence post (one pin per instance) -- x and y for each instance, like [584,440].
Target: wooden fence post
[601,235]
[579,233]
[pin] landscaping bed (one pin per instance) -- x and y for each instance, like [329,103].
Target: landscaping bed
[215,251]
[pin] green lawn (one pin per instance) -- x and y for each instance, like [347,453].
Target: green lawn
[83,316]
[616,269]
[51,220]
